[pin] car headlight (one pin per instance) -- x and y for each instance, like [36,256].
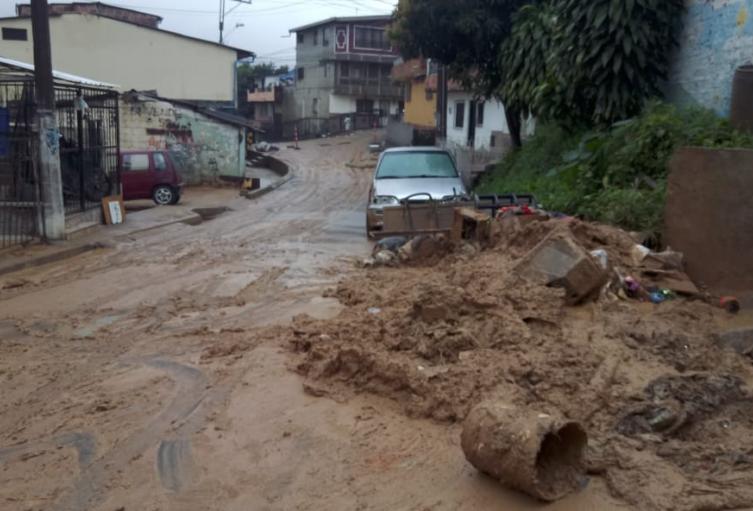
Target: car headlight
[384,200]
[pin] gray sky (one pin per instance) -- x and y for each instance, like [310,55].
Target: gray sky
[265,21]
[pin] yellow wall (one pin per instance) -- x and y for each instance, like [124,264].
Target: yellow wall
[419,111]
[131,57]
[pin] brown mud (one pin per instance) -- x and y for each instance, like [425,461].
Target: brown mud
[668,411]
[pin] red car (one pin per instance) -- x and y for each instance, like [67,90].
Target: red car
[150,175]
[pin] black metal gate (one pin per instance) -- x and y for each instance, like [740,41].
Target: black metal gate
[89,145]
[20,192]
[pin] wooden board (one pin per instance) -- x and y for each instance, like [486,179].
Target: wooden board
[419,218]
[113,209]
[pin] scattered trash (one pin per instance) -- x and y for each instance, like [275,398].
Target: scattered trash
[374,310]
[639,253]
[657,297]
[393,244]
[674,280]
[730,304]
[532,452]
[381,258]
[601,256]
[385,257]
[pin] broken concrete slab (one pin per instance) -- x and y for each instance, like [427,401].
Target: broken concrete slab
[559,261]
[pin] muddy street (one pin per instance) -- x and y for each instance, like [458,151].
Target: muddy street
[134,377]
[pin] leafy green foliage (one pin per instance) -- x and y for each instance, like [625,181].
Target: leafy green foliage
[524,57]
[596,62]
[616,175]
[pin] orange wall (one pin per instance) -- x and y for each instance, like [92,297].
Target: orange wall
[420,111]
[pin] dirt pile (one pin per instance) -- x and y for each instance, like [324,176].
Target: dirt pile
[667,410]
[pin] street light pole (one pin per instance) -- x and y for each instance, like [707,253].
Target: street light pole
[48,151]
[224,13]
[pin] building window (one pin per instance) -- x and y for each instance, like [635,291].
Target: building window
[326,67]
[480,113]
[301,73]
[15,34]
[364,106]
[370,38]
[315,107]
[316,37]
[460,114]
[345,69]
[325,38]
[300,38]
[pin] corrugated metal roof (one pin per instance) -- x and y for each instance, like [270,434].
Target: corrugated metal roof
[57,75]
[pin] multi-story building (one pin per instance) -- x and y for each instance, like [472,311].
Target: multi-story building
[343,67]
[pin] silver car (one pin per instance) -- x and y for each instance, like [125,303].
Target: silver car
[413,173]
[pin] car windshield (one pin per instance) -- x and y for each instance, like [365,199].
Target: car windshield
[416,164]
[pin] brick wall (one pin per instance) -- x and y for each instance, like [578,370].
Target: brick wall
[717,37]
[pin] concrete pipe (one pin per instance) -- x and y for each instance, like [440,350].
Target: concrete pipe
[532,452]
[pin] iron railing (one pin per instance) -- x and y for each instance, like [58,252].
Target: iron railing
[21,213]
[89,145]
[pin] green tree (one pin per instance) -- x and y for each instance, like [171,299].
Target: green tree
[465,35]
[605,58]
[525,56]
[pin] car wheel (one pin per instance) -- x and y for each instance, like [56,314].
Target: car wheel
[176,199]
[163,195]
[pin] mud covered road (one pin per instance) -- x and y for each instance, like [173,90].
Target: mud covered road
[136,378]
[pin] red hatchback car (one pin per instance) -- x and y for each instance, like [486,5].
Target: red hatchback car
[150,175]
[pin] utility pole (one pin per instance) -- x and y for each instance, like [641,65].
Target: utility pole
[48,151]
[224,12]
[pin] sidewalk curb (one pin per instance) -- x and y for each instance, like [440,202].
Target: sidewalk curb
[255,194]
[285,177]
[55,257]
[182,220]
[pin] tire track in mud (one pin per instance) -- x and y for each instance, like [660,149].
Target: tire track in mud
[88,489]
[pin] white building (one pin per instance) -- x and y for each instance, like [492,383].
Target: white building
[477,124]
[127,48]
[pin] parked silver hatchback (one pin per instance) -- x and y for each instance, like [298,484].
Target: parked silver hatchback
[415,174]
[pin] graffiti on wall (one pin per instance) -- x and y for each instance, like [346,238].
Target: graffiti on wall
[717,38]
[203,148]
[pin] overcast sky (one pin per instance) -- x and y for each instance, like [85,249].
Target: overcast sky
[265,22]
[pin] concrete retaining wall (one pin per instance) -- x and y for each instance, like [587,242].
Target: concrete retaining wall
[709,216]
[717,38]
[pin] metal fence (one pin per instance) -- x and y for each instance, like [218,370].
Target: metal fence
[313,127]
[89,145]
[20,192]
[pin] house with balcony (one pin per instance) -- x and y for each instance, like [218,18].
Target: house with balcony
[342,71]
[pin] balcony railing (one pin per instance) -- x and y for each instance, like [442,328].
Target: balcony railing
[372,87]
